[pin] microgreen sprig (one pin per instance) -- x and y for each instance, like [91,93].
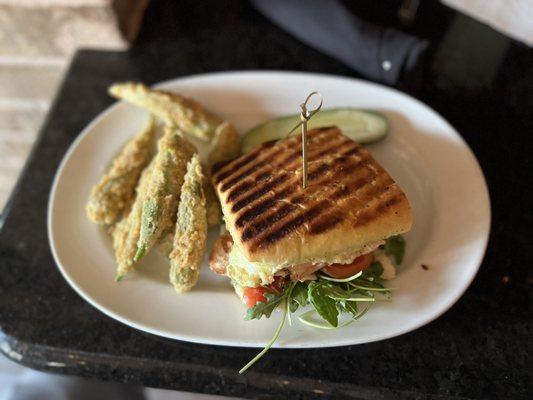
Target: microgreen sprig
[285,300]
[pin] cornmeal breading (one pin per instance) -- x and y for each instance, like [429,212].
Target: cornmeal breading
[125,233]
[163,189]
[116,189]
[191,230]
[187,114]
[226,144]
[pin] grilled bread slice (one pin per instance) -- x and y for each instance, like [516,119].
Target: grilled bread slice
[350,202]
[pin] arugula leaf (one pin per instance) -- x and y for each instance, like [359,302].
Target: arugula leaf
[299,294]
[335,291]
[395,246]
[293,306]
[324,305]
[264,308]
[348,307]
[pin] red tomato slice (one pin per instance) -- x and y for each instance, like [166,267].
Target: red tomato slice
[342,271]
[252,295]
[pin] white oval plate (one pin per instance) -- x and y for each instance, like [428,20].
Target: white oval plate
[426,156]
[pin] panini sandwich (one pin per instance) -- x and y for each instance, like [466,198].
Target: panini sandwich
[281,233]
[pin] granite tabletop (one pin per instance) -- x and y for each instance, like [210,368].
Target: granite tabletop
[480,348]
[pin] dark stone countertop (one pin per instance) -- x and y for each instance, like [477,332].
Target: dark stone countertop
[479,349]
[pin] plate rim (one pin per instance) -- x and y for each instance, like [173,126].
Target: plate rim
[236,343]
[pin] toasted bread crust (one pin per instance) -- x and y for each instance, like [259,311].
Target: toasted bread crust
[350,201]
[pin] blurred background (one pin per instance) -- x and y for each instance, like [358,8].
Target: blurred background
[39,37]
[474,48]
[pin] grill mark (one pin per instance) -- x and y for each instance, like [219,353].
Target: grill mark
[219,175]
[259,208]
[286,161]
[326,167]
[319,171]
[245,185]
[239,177]
[276,215]
[288,227]
[218,166]
[334,147]
[238,164]
[250,159]
[324,128]
[241,190]
[253,230]
[370,215]
[320,221]
[260,192]
[374,191]
[328,221]
[339,167]
[348,189]
[314,134]
[290,161]
[351,152]
[324,223]
[271,159]
[268,144]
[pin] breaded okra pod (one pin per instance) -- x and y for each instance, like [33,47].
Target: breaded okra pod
[160,200]
[126,231]
[186,114]
[191,230]
[226,144]
[116,189]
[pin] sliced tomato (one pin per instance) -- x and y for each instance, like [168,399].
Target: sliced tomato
[252,295]
[342,271]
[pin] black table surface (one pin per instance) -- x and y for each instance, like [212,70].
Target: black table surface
[480,348]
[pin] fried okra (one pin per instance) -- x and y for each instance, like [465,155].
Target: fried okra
[226,144]
[191,230]
[160,200]
[116,189]
[186,114]
[126,231]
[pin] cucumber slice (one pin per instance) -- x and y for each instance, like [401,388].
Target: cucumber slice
[363,126]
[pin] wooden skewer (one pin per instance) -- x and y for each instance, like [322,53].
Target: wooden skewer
[305,116]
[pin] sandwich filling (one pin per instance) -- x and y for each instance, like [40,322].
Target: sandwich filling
[252,279]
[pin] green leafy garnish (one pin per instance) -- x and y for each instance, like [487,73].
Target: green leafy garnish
[348,307]
[286,297]
[264,308]
[324,305]
[329,298]
[395,246]
[298,297]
